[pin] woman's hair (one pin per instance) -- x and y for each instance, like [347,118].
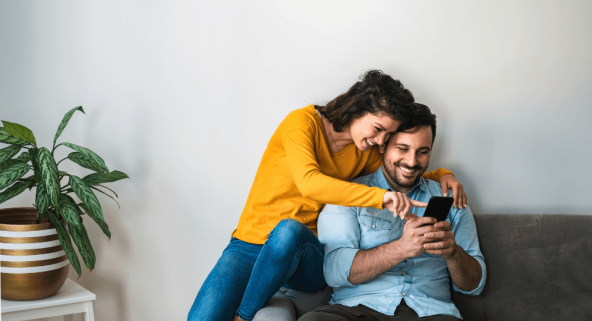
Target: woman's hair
[376,93]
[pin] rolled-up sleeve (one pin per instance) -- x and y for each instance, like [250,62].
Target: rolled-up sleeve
[465,235]
[339,233]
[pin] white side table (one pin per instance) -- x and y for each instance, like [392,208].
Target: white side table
[72,298]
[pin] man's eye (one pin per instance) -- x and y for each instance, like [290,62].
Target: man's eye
[403,149]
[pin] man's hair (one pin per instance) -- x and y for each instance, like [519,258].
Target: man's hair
[422,116]
[376,93]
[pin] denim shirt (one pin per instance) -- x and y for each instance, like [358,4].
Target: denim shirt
[423,281]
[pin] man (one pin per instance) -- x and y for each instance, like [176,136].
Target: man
[380,265]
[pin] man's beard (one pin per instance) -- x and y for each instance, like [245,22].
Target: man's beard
[404,182]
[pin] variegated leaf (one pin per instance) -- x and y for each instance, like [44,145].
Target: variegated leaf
[99,178]
[13,191]
[69,210]
[90,154]
[32,180]
[24,156]
[20,131]
[49,176]
[85,162]
[8,152]
[86,195]
[65,121]
[6,138]
[101,222]
[66,242]
[41,198]
[82,241]
[35,160]
[12,174]
[9,163]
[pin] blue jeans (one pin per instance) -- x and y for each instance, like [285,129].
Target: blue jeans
[248,275]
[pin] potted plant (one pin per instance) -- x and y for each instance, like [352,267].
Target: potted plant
[55,208]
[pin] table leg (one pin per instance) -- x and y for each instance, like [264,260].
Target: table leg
[90,314]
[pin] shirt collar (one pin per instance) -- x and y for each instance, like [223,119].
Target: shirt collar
[383,183]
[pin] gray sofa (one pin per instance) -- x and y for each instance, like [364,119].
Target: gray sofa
[539,268]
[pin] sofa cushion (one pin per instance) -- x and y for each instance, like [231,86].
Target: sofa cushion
[539,268]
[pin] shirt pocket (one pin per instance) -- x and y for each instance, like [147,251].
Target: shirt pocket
[374,230]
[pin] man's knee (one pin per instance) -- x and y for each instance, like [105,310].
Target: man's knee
[320,316]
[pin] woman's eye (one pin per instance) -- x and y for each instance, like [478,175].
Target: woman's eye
[376,129]
[403,149]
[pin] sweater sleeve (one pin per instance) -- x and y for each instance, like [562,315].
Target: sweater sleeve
[312,183]
[437,174]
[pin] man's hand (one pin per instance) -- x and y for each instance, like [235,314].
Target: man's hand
[400,204]
[464,269]
[441,241]
[413,241]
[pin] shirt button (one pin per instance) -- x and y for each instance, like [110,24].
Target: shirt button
[403,294]
[373,226]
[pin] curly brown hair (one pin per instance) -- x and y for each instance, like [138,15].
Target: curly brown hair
[375,93]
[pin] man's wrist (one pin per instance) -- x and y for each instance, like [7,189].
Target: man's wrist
[456,252]
[397,254]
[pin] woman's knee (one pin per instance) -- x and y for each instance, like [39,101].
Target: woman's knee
[290,233]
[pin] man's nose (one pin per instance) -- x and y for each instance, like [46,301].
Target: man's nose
[412,160]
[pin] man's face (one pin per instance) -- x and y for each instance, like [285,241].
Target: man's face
[407,156]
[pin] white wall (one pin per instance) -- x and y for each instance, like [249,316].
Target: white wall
[184,95]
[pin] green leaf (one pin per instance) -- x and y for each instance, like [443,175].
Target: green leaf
[33,152]
[49,176]
[85,162]
[107,195]
[90,154]
[86,195]
[32,180]
[9,163]
[13,191]
[69,210]
[8,152]
[82,241]
[98,178]
[101,222]
[24,156]
[6,138]
[42,198]
[66,242]
[20,131]
[12,174]
[65,121]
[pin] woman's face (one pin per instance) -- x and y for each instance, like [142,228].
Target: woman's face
[370,130]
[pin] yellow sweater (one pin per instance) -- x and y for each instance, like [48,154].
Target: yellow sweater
[298,175]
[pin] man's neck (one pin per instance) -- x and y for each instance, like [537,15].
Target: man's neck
[396,187]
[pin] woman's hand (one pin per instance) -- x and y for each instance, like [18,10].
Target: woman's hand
[400,204]
[460,198]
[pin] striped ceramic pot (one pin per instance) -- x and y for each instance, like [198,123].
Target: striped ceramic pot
[33,263]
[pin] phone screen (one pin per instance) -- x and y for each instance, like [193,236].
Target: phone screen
[438,207]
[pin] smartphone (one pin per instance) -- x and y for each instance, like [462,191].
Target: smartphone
[438,207]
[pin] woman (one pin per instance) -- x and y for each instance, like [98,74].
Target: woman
[308,162]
